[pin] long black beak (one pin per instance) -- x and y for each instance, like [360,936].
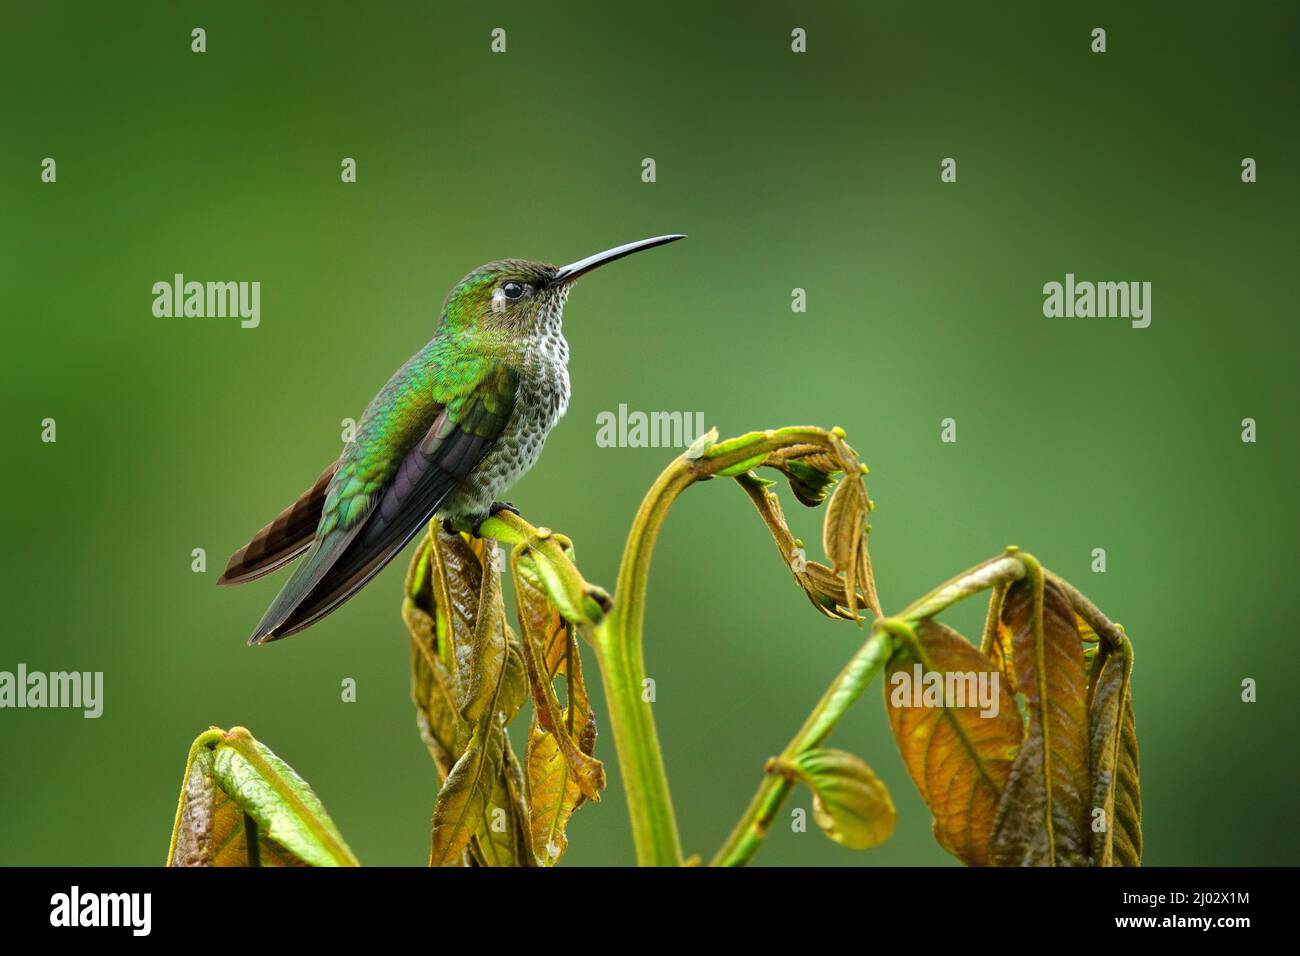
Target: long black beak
[582,266]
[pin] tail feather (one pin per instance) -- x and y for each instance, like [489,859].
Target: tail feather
[346,559]
[343,580]
[288,536]
[320,558]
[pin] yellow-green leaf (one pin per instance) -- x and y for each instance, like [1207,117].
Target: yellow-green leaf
[850,803]
[465,800]
[434,688]
[844,538]
[560,769]
[241,805]
[488,644]
[554,791]
[504,838]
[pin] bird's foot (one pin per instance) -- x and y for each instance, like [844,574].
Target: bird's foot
[496,508]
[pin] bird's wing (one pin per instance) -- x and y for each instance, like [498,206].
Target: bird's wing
[288,536]
[346,557]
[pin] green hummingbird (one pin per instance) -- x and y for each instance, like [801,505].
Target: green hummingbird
[452,429]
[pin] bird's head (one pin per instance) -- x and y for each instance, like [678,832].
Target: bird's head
[515,297]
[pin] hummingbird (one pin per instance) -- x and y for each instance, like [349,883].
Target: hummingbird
[453,428]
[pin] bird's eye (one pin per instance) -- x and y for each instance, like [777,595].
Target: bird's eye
[513,290]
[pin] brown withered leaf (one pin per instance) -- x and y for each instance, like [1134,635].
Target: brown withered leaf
[433,687]
[560,770]
[1114,761]
[550,718]
[1052,768]
[826,591]
[459,567]
[844,539]
[441,612]
[554,792]
[465,809]
[850,804]
[465,800]
[845,515]
[824,588]
[504,836]
[486,670]
[959,760]
[480,808]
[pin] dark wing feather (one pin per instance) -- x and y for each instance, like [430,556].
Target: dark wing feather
[433,469]
[288,536]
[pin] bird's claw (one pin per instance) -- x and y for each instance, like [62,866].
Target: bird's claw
[496,508]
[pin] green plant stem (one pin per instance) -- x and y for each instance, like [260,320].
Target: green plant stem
[578,600]
[618,642]
[618,638]
[1112,633]
[847,687]
[1003,569]
[750,832]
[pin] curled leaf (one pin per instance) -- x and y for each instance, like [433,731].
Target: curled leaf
[810,470]
[1116,792]
[560,770]
[434,688]
[996,643]
[850,803]
[468,682]
[478,800]
[554,789]
[823,587]
[485,678]
[241,805]
[844,539]
[503,839]
[465,800]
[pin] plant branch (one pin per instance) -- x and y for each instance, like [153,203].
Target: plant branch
[618,638]
[847,687]
[617,634]
[753,827]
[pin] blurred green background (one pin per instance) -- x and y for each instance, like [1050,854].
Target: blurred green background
[818,171]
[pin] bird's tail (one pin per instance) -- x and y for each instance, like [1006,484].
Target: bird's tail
[288,536]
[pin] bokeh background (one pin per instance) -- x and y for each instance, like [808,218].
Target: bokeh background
[818,171]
